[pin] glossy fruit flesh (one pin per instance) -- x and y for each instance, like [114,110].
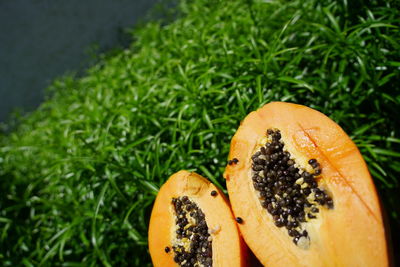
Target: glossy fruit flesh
[351,233]
[192,225]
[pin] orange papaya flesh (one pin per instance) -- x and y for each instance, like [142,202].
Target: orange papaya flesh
[303,191]
[192,225]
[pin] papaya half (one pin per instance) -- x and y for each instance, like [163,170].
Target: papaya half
[303,191]
[192,224]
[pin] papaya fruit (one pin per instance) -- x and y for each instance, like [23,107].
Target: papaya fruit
[191,224]
[303,191]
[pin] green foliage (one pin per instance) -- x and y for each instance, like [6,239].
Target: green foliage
[79,175]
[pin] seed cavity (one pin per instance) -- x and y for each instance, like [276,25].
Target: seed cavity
[193,243]
[287,191]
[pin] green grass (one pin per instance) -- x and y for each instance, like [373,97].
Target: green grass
[80,174]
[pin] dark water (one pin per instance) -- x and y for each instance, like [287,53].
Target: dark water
[43,39]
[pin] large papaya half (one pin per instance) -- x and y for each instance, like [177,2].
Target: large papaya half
[303,191]
[192,225]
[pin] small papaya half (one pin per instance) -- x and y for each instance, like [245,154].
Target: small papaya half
[192,224]
[303,191]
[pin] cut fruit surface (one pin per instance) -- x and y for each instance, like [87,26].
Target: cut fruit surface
[303,191]
[192,224]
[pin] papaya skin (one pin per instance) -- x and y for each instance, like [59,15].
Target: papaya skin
[351,234]
[228,246]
